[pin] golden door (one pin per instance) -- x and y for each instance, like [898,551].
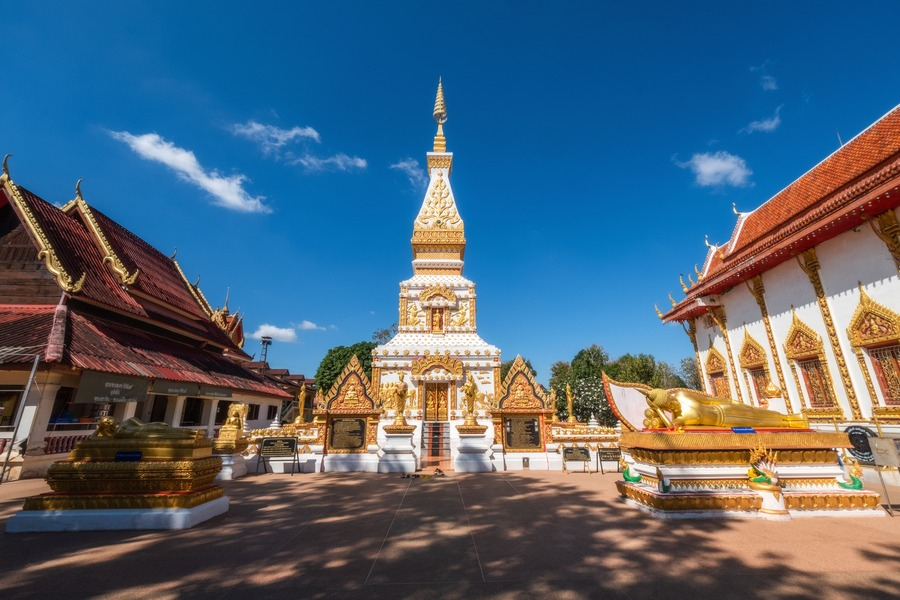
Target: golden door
[435,401]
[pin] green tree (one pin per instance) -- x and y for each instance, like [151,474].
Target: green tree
[690,373]
[506,365]
[644,368]
[383,336]
[585,377]
[560,375]
[337,358]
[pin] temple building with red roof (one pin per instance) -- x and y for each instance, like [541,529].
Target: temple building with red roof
[110,326]
[800,309]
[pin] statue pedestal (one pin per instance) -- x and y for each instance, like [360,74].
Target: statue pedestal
[233,467]
[397,452]
[772,508]
[473,451]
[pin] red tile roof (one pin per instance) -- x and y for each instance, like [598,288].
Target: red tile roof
[24,331]
[97,344]
[78,253]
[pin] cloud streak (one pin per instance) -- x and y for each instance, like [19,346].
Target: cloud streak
[414,173]
[764,125]
[226,191]
[338,162]
[718,169]
[278,334]
[272,139]
[310,326]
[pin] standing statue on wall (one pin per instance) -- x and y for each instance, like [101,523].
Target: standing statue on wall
[400,394]
[571,400]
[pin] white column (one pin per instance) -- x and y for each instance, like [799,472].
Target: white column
[41,405]
[209,416]
[174,410]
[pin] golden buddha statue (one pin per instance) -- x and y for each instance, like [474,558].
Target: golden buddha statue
[109,427]
[693,408]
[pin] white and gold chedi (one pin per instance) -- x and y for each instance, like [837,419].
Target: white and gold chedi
[437,347]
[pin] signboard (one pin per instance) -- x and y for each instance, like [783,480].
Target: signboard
[608,455]
[209,391]
[104,388]
[577,454]
[277,447]
[128,456]
[523,433]
[348,434]
[281,446]
[885,451]
[743,430]
[175,388]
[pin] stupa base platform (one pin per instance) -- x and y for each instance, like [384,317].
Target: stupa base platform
[109,512]
[749,505]
[705,474]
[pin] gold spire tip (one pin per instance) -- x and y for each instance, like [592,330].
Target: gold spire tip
[440,117]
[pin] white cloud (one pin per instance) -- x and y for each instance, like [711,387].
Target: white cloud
[271,138]
[764,125]
[410,167]
[279,334]
[310,326]
[718,169]
[227,191]
[338,162]
[766,81]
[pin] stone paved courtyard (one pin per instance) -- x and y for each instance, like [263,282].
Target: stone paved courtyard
[495,535]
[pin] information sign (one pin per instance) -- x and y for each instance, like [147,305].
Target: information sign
[276,447]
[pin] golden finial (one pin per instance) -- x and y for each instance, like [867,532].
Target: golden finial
[684,288]
[440,117]
[658,312]
[699,274]
[6,165]
[691,281]
[672,300]
[78,195]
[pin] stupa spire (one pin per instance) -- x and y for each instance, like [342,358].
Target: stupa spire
[440,117]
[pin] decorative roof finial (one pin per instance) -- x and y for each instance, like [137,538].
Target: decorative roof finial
[5,165]
[440,117]
[681,281]
[78,195]
[227,292]
[174,254]
[658,312]
[708,245]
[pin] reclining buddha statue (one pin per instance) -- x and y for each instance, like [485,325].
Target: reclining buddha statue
[678,407]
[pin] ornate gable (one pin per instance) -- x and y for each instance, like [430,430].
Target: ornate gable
[752,355]
[437,295]
[352,391]
[519,390]
[802,342]
[715,362]
[872,324]
[452,366]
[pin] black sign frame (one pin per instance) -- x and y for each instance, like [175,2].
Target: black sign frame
[576,454]
[609,455]
[277,447]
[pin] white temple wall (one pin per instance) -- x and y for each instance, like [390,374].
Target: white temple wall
[740,309]
[786,286]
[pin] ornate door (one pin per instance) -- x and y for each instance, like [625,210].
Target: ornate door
[435,401]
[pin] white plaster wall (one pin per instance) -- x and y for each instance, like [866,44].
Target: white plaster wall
[846,261]
[740,309]
[787,285]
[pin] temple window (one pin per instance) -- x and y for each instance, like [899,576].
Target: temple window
[271,412]
[718,383]
[886,363]
[253,412]
[760,381]
[817,389]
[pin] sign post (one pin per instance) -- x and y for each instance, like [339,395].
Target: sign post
[278,447]
[887,454]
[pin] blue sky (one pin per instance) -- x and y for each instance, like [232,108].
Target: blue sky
[280,146]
